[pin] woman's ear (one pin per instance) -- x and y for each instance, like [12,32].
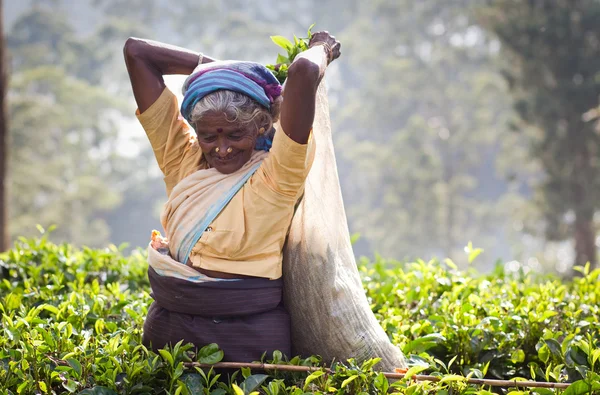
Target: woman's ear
[276,109]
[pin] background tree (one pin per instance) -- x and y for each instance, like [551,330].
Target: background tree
[426,119]
[553,70]
[66,165]
[419,117]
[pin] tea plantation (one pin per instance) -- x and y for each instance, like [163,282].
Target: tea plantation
[72,320]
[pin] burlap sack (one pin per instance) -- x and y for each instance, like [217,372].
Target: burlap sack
[322,288]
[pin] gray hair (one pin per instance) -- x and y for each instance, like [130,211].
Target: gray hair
[238,108]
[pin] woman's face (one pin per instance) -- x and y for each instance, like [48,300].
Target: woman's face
[214,131]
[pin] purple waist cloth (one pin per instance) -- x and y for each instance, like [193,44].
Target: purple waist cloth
[245,318]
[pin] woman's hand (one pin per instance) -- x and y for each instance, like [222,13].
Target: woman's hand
[330,43]
[147,61]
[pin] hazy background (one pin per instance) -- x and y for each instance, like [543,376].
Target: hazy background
[442,135]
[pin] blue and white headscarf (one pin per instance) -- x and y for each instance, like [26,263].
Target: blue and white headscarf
[249,78]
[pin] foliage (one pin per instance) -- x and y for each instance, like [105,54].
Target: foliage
[280,68]
[72,322]
[499,325]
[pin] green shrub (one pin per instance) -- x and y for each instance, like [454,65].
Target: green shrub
[499,325]
[72,320]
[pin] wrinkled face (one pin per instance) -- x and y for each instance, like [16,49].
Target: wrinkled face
[217,136]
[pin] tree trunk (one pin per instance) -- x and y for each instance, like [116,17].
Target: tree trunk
[584,199]
[585,240]
[4,239]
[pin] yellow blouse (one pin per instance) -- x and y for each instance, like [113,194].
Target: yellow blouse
[247,236]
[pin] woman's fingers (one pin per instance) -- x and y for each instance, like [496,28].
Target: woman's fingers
[326,37]
[337,50]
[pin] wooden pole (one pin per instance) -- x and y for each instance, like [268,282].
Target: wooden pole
[4,239]
[395,376]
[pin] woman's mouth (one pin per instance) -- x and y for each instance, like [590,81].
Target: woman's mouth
[228,158]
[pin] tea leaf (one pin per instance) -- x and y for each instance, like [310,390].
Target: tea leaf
[178,371]
[544,353]
[450,263]
[517,356]
[48,307]
[166,356]
[423,343]
[22,387]
[472,252]
[210,354]
[254,382]
[313,376]
[193,382]
[595,355]
[246,372]
[70,385]
[237,390]
[547,314]
[13,301]
[277,356]
[452,361]
[554,347]
[75,365]
[348,381]
[581,387]
[413,370]
[381,383]
[451,378]
[354,238]
[283,42]
[282,59]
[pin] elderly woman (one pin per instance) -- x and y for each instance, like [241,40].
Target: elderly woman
[232,185]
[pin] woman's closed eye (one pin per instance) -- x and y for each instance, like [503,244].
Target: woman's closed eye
[236,136]
[208,138]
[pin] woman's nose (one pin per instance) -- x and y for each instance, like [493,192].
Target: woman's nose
[221,150]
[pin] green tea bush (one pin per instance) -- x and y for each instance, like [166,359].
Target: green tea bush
[498,326]
[71,322]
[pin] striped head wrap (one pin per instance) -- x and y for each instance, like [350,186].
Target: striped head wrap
[249,78]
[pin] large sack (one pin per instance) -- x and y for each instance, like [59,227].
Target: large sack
[322,288]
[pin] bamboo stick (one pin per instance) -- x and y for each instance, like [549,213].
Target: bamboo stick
[307,369]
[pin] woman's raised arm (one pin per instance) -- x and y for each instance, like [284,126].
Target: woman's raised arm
[147,61]
[304,76]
